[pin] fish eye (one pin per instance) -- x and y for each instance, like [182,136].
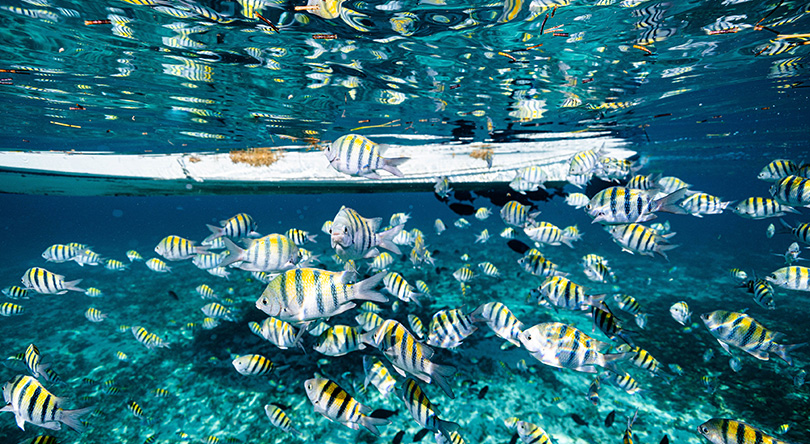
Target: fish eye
[703,429]
[264,301]
[345,229]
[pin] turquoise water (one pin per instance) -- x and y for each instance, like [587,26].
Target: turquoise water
[710,108]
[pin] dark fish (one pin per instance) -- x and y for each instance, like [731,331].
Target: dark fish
[398,437]
[382,413]
[174,295]
[420,434]
[610,417]
[514,438]
[664,440]
[281,406]
[518,246]
[578,419]
[483,392]
[462,209]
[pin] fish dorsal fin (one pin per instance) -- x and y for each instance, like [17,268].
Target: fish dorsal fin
[374,223]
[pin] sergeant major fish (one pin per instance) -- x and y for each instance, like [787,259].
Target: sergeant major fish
[353,236]
[44,282]
[175,248]
[743,332]
[620,205]
[356,155]
[563,346]
[331,401]
[271,253]
[31,402]
[306,294]
[423,411]
[729,431]
[236,227]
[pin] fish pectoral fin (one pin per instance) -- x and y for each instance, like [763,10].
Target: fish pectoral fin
[759,354]
[20,421]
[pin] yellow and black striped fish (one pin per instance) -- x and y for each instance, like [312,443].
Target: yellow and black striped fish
[307,294]
[538,265]
[354,236]
[640,239]
[368,321]
[584,162]
[356,155]
[175,248]
[792,190]
[501,320]
[777,169]
[448,328]
[44,282]
[300,237]
[377,373]
[422,410]
[9,309]
[761,208]
[699,204]
[563,346]
[729,431]
[559,291]
[15,292]
[339,340]
[763,293]
[643,359]
[157,265]
[621,205]
[32,360]
[237,227]
[791,278]
[60,253]
[336,404]
[532,433]
[149,340]
[252,365]
[743,332]
[31,402]
[800,232]
[399,287]
[218,311]
[280,419]
[516,214]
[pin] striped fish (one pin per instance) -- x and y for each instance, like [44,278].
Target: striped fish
[88,257]
[681,313]
[381,262]
[133,256]
[801,231]
[32,360]
[538,265]
[763,293]
[219,272]
[422,287]
[643,182]
[280,419]
[417,326]
[300,237]
[761,208]
[336,404]
[253,365]
[339,340]
[354,236]
[378,375]
[237,227]
[60,253]
[44,282]
[777,169]
[175,248]
[218,311]
[599,272]
[271,253]
[620,205]
[593,391]
[368,320]
[584,162]
[31,402]
[791,278]
[640,239]
[422,410]
[356,155]
[157,265]
[627,303]
[209,323]
[407,355]
[622,380]
[699,204]
[207,261]
[93,292]
[115,265]
[15,292]
[397,285]
[547,233]
[489,269]
[500,319]
[563,346]
[277,332]
[792,190]
[561,292]
[149,340]
[206,292]
[743,332]
[608,324]
[307,294]
[643,359]
[577,200]
[532,433]
[516,214]
[729,431]
[463,275]
[94,315]
[449,328]
[670,184]
[612,169]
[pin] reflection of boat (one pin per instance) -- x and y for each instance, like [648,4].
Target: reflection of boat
[286,169]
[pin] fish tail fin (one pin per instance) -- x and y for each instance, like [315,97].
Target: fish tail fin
[391,165]
[365,289]
[662,249]
[786,230]
[783,350]
[445,427]
[371,423]
[669,203]
[612,359]
[71,418]
[234,253]
[386,239]
[438,375]
[789,209]
[72,285]
[215,233]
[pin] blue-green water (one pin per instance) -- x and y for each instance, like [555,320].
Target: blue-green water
[711,109]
